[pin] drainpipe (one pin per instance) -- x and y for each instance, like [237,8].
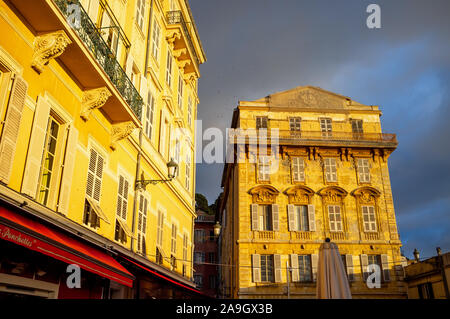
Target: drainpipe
[139,155]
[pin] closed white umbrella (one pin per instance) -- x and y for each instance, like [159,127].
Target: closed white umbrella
[332,282]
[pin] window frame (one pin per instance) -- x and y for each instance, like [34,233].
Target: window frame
[330,167]
[305,268]
[334,221]
[300,169]
[267,268]
[263,171]
[363,168]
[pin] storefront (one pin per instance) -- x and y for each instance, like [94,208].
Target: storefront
[34,257]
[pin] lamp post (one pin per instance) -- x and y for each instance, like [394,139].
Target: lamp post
[416,255]
[217,229]
[172,168]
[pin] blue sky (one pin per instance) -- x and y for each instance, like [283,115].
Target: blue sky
[258,47]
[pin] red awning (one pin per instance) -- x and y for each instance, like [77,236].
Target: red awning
[33,235]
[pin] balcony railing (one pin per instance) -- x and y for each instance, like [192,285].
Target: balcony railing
[93,40]
[176,17]
[298,137]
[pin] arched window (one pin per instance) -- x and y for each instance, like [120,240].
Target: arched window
[366,203]
[333,205]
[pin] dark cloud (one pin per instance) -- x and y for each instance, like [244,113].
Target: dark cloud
[257,47]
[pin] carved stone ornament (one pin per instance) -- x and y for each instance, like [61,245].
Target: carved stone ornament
[120,132]
[184,63]
[299,194]
[172,37]
[93,99]
[333,194]
[179,52]
[48,46]
[366,195]
[264,194]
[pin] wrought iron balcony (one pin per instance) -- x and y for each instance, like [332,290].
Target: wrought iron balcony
[316,138]
[93,40]
[176,17]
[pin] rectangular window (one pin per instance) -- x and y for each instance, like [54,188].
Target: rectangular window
[173,244]
[263,168]
[374,260]
[212,258]
[261,122]
[357,127]
[363,170]
[48,163]
[298,169]
[198,279]
[163,137]
[185,247]
[159,257]
[304,268]
[369,220]
[265,217]
[330,170]
[140,13]
[177,152]
[267,268]
[212,282]
[334,214]
[189,114]
[188,172]
[426,291]
[180,92]
[121,211]
[169,69]
[142,224]
[90,218]
[156,36]
[199,236]
[325,127]
[199,257]
[160,229]
[294,124]
[149,114]
[95,173]
[301,218]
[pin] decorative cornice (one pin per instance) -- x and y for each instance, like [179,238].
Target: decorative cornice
[299,194]
[120,132]
[366,194]
[179,52]
[93,99]
[264,194]
[172,36]
[48,46]
[333,194]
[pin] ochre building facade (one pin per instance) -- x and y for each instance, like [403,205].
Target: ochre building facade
[95,97]
[324,173]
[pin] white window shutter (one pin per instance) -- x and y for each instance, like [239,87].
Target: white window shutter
[291,217]
[11,127]
[275,218]
[69,164]
[314,263]
[294,267]
[256,267]
[129,65]
[277,267]
[386,268]
[35,150]
[255,222]
[349,264]
[93,10]
[364,265]
[311,218]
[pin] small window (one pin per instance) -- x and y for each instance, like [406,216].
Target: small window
[173,245]
[301,218]
[261,122]
[159,256]
[156,36]
[264,168]
[189,113]
[149,114]
[265,217]
[212,258]
[294,124]
[325,127]
[357,126]
[267,266]
[363,170]
[95,174]
[330,170]
[334,214]
[304,268]
[160,229]
[90,218]
[142,224]
[185,247]
[140,13]
[212,282]
[369,219]
[198,279]
[169,69]
[298,169]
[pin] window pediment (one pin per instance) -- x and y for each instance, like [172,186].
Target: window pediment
[366,195]
[264,194]
[299,194]
[333,194]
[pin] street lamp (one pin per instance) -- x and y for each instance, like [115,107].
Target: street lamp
[416,254]
[172,168]
[217,228]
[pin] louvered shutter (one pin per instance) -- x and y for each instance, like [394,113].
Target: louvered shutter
[125,201]
[36,147]
[385,267]
[291,217]
[275,218]
[11,127]
[349,264]
[143,88]
[294,266]
[364,265]
[277,266]
[311,218]
[69,165]
[314,262]
[256,267]
[255,222]
[95,174]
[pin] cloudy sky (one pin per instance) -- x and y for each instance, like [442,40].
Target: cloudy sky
[258,47]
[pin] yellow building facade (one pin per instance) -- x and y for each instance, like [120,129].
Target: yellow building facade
[323,174]
[95,97]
